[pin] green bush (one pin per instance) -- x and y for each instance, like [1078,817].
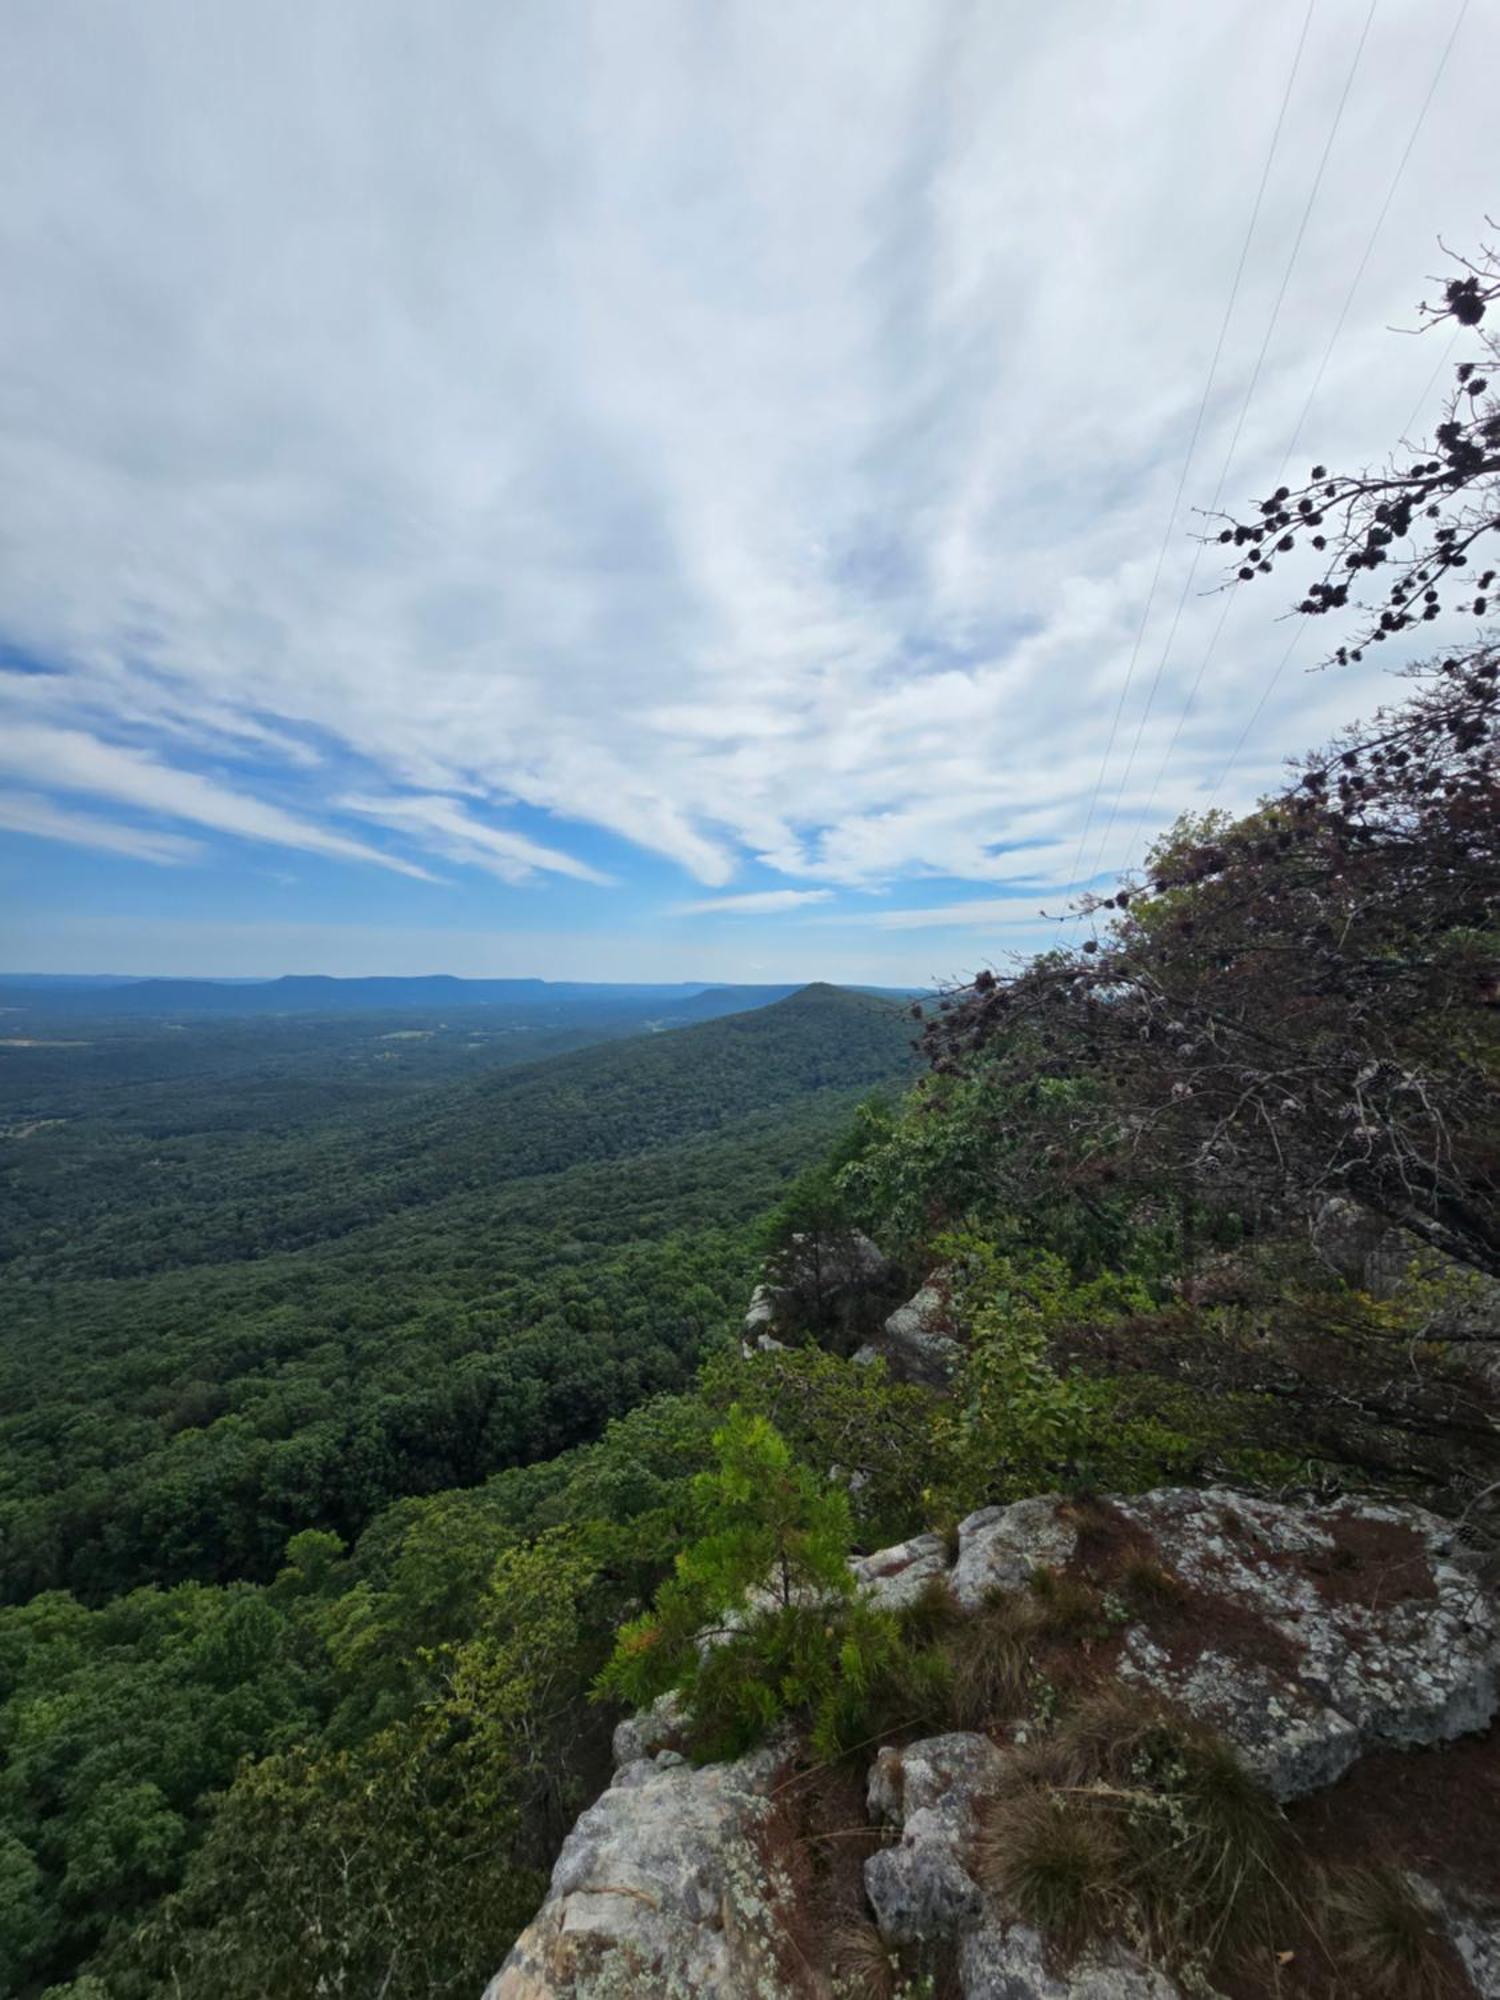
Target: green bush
[761,1620]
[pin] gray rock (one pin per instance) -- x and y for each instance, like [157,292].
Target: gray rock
[761,1316]
[998,1962]
[854,1260]
[945,1775]
[1287,1738]
[1361,1248]
[1311,1636]
[1476,1939]
[659,1888]
[1472,1928]
[760,1321]
[919,1893]
[1377,1632]
[918,1340]
[897,1577]
[999,1547]
[655,1728]
[920,1889]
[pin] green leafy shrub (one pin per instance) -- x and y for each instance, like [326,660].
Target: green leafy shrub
[1017,1424]
[761,1619]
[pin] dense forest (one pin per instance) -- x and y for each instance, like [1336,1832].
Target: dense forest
[370,1445]
[265,1285]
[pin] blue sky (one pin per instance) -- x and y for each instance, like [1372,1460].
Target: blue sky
[663,491]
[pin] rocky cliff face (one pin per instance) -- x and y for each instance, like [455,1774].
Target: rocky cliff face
[1335,1649]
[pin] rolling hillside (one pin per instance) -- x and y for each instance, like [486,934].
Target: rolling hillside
[208,1348]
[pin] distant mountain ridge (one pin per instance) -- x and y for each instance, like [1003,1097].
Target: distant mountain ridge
[323,993]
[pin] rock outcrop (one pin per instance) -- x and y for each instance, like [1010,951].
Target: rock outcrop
[659,1889]
[831,1283]
[1309,1638]
[1343,1632]
[919,1341]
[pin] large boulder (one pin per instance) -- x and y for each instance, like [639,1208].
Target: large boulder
[896,1577]
[922,1890]
[919,1341]
[999,1548]
[1316,1636]
[919,1889]
[1000,1961]
[662,1726]
[660,1888]
[1360,1247]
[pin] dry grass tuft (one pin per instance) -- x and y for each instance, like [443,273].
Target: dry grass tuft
[1126,1819]
[934,1615]
[1148,1585]
[1387,1943]
[1066,1606]
[862,1964]
[1055,1866]
[991,1676]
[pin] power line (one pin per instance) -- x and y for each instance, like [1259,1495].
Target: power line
[1426,396]
[1385,206]
[1249,396]
[1421,404]
[1166,539]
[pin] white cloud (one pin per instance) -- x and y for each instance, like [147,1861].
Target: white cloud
[444,825]
[747,433]
[72,761]
[23,812]
[757,903]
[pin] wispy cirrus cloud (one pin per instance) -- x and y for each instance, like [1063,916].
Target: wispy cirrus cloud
[976,914]
[445,826]
[73,761]
[755,460]
[754,903]
[24,812]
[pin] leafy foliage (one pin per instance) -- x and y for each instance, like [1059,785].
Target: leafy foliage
[1017,1423]
[1304,1006]
[760,1620]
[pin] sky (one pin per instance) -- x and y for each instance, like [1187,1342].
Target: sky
[673,491]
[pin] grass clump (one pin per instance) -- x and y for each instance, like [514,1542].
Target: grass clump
[1147,1585]
[991,1666]
[1067,1607]
[1057,1867]
[993,1653]
[862,1964]
[1129,1821]
[1385,1940]
[934,1615]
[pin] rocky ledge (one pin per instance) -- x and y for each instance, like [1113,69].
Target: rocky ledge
[1332,1647]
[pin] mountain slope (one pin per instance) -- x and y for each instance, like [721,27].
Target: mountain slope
[81,1203]
[198,1359]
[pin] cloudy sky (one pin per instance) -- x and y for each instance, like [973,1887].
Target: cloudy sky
[670,490]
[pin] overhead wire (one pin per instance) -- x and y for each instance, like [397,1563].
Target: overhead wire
[1224,471]
[1420,405]
[1166,539]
